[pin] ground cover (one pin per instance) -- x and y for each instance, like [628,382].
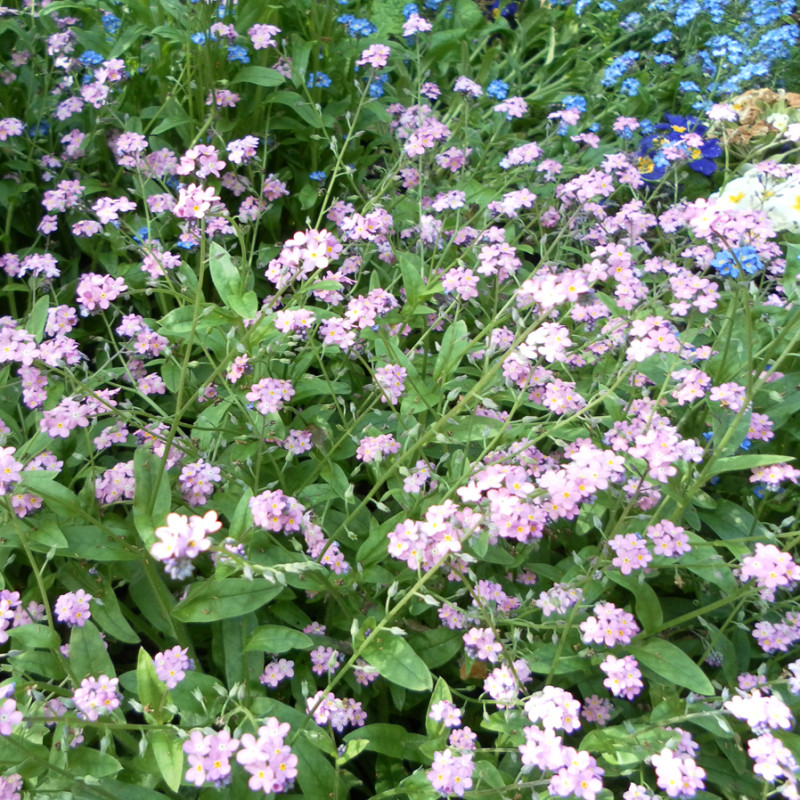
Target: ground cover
[399,400]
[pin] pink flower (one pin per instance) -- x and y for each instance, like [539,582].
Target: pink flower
[183,539]
[416,24]
[9,468]
[194,202]
[451,774]
[262,36]
[771,568]
[391,379]
[9,716]
[171,665]
[73,608]
[376,55]
[374,448]
[96,696]
[624,678]
[678,776]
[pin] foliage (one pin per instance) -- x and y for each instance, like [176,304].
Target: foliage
[398,401]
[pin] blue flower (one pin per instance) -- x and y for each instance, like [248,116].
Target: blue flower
[727,262]
[319,79]
[409,9]
[140,236]
[574,101]
[42,129]
[236,53]
[318,176]
[688,86]
[198,38]
[629,87]
[356,26]
[618,67]
[376,88]
[91,58]
[497,89]
[652,163]
[662,36]
[111,23]
[631,21]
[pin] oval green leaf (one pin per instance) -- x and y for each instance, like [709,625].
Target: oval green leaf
[396,661]
[278,639]
[212,600]
[670,662]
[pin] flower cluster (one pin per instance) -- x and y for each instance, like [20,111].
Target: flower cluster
[181,540]
[327,709]
[270,394]
[276,671]
[172,665]
[678,774]
[609,625]
[73,608]
[209,757]
[575,771]
[624,678]
[390,380]
[770,568]
[96,696]
[451,773]
[197,482]
[374,448]
[267,758]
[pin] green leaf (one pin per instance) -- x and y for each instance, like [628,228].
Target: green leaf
[396,661]
[152,497]
[411,270]
[259,76]
[301,52]
[87,653]
[440,692]
[750,461]
[86,761]
[57,497]
[388,740]
[149,688]
[437,646]
[38,317]
[211,600]
[168,752]
[178,323]
[92,542]
[730,521]
[278,639]
[308,196]
[670,662]
[129,791]
[352,749]
[648,608]
[35,637]
[543,659]
[299,105]
[228,282]
[624,747]
[455,344]
[47,534]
